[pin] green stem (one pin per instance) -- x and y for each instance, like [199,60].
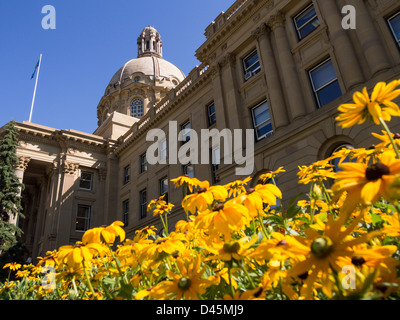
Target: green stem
[264,231]
[230,279]
[313,204]
[248,276]
[394,144]
[88,280]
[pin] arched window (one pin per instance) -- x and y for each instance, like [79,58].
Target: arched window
[338,160]
[137,108]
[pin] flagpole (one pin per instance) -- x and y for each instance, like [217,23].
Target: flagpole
[34,91]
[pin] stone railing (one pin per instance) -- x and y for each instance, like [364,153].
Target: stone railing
[223,17]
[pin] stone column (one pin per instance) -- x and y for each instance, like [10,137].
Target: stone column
[218,94]
[19,171]
[66,210]
[369,38]
[291,82]
[346,58]
[277,101]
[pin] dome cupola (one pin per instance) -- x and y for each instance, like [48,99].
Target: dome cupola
[149,43]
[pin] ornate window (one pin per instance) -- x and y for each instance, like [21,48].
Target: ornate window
[137,108]
[251,65]
[86,180]
[325,83]
[306,21]
[261,120]
[143,203]
[394,24]
[83,217]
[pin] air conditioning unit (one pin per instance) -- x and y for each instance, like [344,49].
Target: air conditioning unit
[248,75]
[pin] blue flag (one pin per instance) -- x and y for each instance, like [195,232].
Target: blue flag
[37,65]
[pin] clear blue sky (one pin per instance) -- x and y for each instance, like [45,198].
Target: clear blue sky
[92,40]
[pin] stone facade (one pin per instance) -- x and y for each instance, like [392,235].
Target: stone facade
[290,58]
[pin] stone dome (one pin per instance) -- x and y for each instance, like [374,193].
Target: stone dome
[149,61]
[155,67]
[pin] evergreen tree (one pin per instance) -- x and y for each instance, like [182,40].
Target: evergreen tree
[10,186]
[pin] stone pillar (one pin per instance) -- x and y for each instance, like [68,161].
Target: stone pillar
[346,58]
[218,94]
[291,82]
[370,41]
[19,171]
[277,102]
[66,209]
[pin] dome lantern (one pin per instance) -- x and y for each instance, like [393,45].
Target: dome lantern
[149,43]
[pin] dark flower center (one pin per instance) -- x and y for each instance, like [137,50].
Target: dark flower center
[321,247]
[376,171]
[184,283]
[282,243]
[250,190]
[218,206]
[201,190]
[231,247]
[358,261]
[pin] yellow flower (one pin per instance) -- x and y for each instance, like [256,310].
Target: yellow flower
[236,187]
[317,171]
[255,198]
[233,249]
[12,266]
[187,283]
[162,208]
[380,105]
[204,197]
[223,218]
[104,234]
[318,253]
[73,256]
[364,183]
[186,181]
[253,294]
[271,174]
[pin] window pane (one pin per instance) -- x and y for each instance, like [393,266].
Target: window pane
[252,59]
[261,114]
[143,163]
[264,129]
[329,93]
[395,24]
[85,181]
[323,75]
[137,108]
[309,27]
[82,218]
[305,17]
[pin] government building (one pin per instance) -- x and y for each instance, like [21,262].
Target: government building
[277,67]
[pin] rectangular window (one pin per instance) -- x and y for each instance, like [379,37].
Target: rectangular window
[185,132]
[127,173]
[143,163]
[164,188]
[394,23]
[261,120]
[211,114]
[325,83]
[215,161]
[143,203]
[251,65]
[83,217]
[86,180]
[306,21]
[125,212]
[162,147]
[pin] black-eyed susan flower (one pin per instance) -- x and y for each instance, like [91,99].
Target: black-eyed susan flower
[255,198]
[223,218]
[204,197]
[12,266]
[232,249]
[187,283]
[186,181]
[106,234]
[73,256]
[378,106]
[319,253]
[236,187]
[364,183]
